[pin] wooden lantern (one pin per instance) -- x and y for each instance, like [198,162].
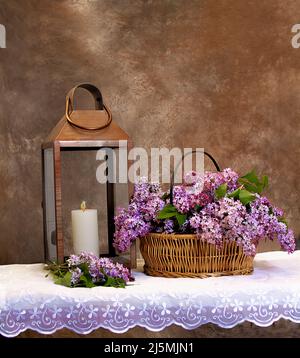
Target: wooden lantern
[77,130]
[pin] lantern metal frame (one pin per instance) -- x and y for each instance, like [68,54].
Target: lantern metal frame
[67,136]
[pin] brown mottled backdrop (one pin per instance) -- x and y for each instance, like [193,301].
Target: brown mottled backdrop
[216,74]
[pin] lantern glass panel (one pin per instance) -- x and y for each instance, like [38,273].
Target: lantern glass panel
[79,184]
[49,203]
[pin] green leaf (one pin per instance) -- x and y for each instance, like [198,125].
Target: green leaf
[248,186]
[169,208]
[84,268]
[115,282]
[167,212]
[252,183]
[234,194]
[251,177]
[181,218]
[265,181]
[220,192]
[246,197]
[162,215]
[170,211]
[65,280]
[260,188]
[87,281]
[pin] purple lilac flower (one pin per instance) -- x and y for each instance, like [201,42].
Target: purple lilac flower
[136,221]
[95,271]
[192,178]
[181,199]
[215,221]
[231,178]
[144,191]
[150,208]
[98,268]
[74,260]
[211,231]
[201,199]
[225,220]
[130,225]
[114,269]
[195,221]
[213,180]
[76,274]
[267,224]
[155,188]
[169,226]
[287,240]
[277,211]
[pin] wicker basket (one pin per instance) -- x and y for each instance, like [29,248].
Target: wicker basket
[185,255]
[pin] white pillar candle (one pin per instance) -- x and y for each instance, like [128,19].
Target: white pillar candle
[85,231]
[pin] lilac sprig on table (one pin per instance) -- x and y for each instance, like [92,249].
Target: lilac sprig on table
[218,207]
[88,270]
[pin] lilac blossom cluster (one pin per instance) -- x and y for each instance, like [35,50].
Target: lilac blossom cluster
[228,219]
[98,268]
[199,190]
[139,218]
[213,220]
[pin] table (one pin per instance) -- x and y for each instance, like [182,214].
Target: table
[29,300]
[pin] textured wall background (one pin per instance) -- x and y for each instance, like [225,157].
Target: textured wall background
[215,74]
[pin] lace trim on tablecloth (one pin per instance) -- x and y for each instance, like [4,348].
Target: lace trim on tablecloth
[154,313]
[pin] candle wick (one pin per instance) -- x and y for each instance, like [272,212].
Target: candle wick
[83,206]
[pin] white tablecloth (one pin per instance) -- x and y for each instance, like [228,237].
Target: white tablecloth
[28,300]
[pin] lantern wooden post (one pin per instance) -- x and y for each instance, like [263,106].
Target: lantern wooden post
[58,202]
[46,254]
[133,248]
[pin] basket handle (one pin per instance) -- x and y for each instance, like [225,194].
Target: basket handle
[99,105]
[177,165]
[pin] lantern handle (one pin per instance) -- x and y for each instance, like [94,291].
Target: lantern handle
[99,105]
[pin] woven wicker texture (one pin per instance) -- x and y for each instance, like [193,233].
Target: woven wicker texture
[185,255]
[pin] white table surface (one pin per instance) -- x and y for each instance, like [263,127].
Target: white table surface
[29,300]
